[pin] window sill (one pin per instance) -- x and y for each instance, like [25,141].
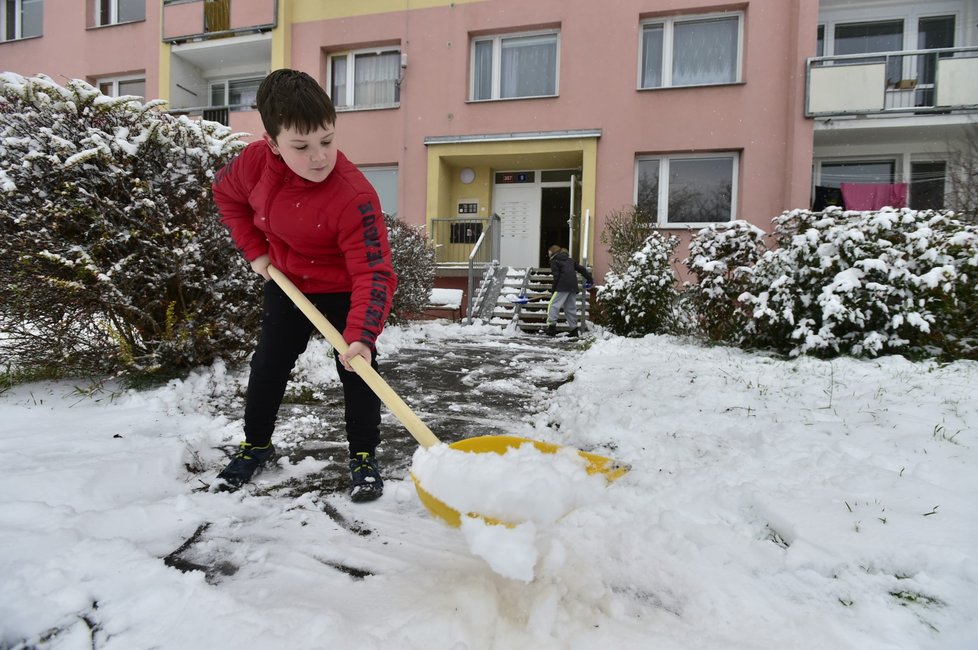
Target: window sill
[690,225]
[128,22]
[358,109]
[725,83]
[23,38]
[509,99]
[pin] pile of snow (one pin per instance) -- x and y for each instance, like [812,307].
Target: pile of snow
[510,496]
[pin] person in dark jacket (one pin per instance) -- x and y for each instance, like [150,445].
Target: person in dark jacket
[293,200]
[565,290]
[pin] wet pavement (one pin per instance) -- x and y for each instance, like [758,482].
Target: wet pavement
[460,388]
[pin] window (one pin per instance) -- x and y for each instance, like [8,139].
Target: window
[238,94]
[365,79]
[682,190]
[927,185]
[111,12]
[513,66]
[866,38]
[932,33]
[384,180]
[690,51]
[21,19]
[123,86]
[834,174]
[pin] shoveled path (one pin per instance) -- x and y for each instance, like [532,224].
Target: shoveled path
[460,388]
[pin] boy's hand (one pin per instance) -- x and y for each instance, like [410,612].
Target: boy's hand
[260,266]
[356,349]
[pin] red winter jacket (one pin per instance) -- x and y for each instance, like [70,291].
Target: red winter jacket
[327,237]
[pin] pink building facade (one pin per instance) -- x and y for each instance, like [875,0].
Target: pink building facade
[557,114]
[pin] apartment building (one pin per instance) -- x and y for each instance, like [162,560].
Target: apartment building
[555,114]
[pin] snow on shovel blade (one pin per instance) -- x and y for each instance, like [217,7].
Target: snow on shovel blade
[530,488]
[594,464]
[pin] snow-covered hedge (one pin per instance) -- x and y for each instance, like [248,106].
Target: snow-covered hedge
[641,300]
[413,256]
[111,255]
[856,283]
[721,259]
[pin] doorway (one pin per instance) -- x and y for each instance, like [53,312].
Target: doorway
[538,209]
[555,207]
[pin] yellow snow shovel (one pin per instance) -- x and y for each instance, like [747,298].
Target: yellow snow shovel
[596,464]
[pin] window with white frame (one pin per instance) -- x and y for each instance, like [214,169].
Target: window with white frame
[384,180]
[833,173]
[237,94]
[691,51]
[515,66]
[678,190]
[21,19]
[112,12]
[365,78]
[121,86]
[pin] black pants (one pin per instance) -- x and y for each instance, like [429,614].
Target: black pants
[285,332]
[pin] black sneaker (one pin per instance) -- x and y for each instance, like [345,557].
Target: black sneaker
[246,463]
[551,330]
[367,484]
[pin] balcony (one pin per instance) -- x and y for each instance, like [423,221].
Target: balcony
[915,82]
[195,20]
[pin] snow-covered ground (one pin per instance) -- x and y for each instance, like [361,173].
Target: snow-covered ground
[771,504]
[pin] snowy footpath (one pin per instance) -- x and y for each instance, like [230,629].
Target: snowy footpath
[789,504]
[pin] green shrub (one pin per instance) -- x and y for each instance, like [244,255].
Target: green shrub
[413,257]
[722,258]
[641,300]
[624,233]
[854,283]
[112,258]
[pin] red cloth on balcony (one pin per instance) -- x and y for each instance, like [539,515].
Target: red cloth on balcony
[873,196]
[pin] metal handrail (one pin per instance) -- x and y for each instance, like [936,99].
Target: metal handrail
[491,231]
[585,247]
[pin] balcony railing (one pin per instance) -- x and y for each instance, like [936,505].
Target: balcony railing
[912,81]
[191,20]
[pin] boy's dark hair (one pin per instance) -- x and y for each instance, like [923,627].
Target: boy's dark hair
[292,99]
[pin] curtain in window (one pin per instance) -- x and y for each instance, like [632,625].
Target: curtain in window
[132,10]
[529,66]
[374,77]
[135,87]
[652,56]
[339,81]
[33,17]
[705,52]
[482,83]
[217,15]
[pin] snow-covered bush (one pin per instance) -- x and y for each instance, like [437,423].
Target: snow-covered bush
[413,257]
[722,259]
[111,254]
[641,300]
[624,233]
[865,284]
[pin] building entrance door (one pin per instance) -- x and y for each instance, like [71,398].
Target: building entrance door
[518,207]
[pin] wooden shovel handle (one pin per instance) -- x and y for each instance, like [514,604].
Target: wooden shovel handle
[397,406]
